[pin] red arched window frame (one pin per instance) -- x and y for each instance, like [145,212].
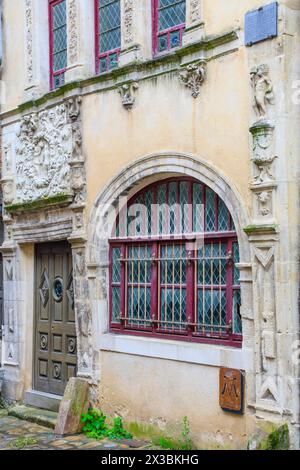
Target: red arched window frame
[169,34]
[159,288]
[57,43]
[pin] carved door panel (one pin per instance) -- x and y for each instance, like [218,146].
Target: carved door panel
[55,336]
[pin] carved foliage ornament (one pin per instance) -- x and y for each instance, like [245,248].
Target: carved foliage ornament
[73,32]
[193,76]
[128,21]
[195,11]
[29,41]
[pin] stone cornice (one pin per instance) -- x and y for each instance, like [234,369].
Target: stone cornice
[137,71]
[61,200]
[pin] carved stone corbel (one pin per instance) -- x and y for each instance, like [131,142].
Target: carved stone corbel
[193,77]
[127,92]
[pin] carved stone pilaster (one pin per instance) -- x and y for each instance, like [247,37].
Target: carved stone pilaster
[36,42]
[10,350]
[263,156]
[194,30]
[131,37]
[29,43]
[267,392]
[73,39]
[80,28]
[83,312]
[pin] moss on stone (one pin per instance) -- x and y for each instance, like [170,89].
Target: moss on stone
[208,43]
[39,203]
[279,439]
[159,438]
[261,228]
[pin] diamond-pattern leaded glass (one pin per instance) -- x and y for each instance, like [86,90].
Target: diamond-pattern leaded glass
[236,258]
[167,282]
[198,208]
[210,213]
[162,208]
[116,265]
[173,207]
[171,13]
[59,36]
[224,217]
[237,319]
[110,25]
[184,201]
[173,267]
[116,304]
[212,311]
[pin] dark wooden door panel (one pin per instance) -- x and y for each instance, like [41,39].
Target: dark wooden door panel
[56,347]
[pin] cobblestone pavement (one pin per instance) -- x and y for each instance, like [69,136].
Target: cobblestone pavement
[16,434]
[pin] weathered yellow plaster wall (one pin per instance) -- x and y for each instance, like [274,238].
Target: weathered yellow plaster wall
[166,118]
[175,390]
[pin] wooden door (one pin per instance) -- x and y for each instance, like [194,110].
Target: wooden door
[55,335]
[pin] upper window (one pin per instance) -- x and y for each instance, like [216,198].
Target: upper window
[58,42]
[169,23]
[108,34]
[162,282]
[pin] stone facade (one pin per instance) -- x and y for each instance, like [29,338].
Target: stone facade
[215,110]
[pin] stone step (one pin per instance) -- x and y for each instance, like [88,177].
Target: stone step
[34,415]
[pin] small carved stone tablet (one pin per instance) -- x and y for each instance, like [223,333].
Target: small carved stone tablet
[231,390]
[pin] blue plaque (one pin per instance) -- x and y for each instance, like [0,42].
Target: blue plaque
[261,24]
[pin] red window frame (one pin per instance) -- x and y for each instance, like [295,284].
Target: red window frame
[192,333]
[100,55]
[156,33]
[53,74]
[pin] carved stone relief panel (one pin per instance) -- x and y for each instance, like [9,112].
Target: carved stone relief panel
[48,143]
[43,152]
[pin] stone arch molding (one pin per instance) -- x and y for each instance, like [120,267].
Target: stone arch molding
[153,165]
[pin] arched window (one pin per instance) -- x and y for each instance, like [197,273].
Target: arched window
[169,18]
[172,269]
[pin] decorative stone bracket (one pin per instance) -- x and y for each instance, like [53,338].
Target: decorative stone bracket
[127,92]
[193,77]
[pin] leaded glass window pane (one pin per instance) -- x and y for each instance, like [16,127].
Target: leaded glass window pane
[237,319]
[210,210]
[171,13]
[169,286]
[236,258]
[59,36]
[173,265]
[139,275]
[110,25]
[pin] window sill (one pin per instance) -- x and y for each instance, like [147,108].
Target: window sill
[193,353]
